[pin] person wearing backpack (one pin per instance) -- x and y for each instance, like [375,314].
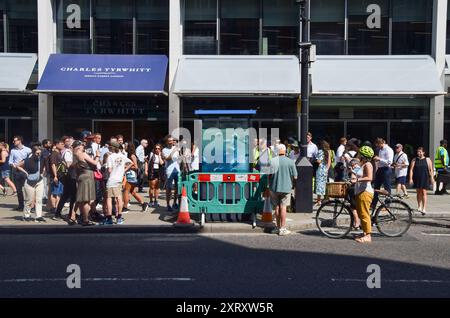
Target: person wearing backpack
[33,168]
[55,164]
[68,176]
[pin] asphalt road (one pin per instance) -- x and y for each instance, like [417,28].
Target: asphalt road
[232,265]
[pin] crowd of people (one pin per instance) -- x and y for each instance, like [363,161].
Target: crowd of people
[98,180]
[94,180]
[369,166]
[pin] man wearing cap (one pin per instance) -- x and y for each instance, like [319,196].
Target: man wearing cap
[400,165]
[283,173]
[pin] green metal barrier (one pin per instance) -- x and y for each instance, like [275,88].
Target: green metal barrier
[209,193]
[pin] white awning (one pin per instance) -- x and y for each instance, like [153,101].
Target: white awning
[375,75]
[226,75]
[16,70]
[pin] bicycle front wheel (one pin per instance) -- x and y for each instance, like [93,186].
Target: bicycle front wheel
[334,219]
[393,218]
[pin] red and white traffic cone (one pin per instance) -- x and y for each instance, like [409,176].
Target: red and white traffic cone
[184,218]
[267,214]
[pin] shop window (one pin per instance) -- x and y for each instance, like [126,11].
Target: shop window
[412,26]
[411,135]
[239,28]
[27,128]
[328,26]
[113,27]
[368,32]
[72,127]
[22,26]
[200,27]
[367,130]
[73,26]
[152,21]
[328,131]
[280,27]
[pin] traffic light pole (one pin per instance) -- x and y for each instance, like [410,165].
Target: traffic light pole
[303,189]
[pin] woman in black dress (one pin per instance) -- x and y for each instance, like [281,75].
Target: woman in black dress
[421,175]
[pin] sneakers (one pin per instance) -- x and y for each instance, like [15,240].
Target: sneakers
[40,220]
[275,230]
[125,210]
[144,207]
[26,218]
[284,231]
[56,217]
[156,204]
[107,221]
[120,221]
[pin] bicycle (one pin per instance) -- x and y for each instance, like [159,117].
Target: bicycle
[392,216]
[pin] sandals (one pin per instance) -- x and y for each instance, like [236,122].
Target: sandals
[365,238]
[72,222]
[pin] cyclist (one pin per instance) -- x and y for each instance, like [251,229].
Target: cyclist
[364,193]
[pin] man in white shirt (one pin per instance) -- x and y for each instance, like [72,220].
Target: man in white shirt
[140,154]
[171,155]
[384,162]
[117,165]
[96,141]
[312,150]
[339,169]
[400,165]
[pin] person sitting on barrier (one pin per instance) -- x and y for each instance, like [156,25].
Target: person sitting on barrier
[283,173]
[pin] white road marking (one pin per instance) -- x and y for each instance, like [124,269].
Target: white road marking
[98,279]
[436,234]
[424,281]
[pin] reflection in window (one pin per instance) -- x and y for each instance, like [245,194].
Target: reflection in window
[361,38]
[200,27]
[152,17]
[328,26]
[239,28]
[113,27]
[71,37]
[280,27]
[412,26]
[22,26]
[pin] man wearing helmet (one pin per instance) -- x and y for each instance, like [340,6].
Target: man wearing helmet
[364,193]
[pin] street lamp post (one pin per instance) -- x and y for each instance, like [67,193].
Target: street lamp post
[303,189]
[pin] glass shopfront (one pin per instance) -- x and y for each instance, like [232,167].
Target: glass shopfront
[374,27]
[397,120]
[328,26]
[133,117]
[363,38]
[19,116]
[19,20]
[113,26]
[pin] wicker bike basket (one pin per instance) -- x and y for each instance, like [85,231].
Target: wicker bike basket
[336,189]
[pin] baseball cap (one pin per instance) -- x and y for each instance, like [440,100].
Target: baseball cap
[86,134]
[281,149]
[115,144]
[398,146]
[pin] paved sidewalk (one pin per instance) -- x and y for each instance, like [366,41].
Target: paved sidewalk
[158,220]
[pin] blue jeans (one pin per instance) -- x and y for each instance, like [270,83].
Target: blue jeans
[382,177]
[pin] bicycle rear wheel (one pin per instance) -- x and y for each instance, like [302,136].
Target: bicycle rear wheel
[393,218]
[334,219]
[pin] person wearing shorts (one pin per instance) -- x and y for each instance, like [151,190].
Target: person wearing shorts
[117,165]
[282,174]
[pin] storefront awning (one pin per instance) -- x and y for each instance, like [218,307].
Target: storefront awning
[237,76]
[375,75]
[15,71]
[86,73]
